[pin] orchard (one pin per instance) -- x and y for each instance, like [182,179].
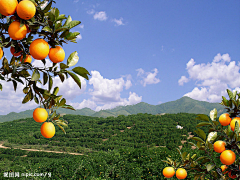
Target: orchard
[33,29]
[223,141]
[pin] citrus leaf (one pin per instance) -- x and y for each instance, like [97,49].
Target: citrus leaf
[201,133]
[61,122]
[62,102]
[45,78]
[81,71]
[1,87]
[55,91]
[61,76]
[210,167]
[61,17]
[63,66]
[47,28]
[14,85]
[202,117]
[62,128]
[50,83]
[68,107]
[230,94]
[197,139]
[203,124]
[75,78]
[48,7]
[68,20]
[71,35]
[72,59]
[35,75]
[234,94]
[25,90]
[36,99]
[27,97]
[72,24]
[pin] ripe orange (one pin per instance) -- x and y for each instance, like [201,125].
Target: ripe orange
[219,146]
[27,59]
[12,50]
[232,124]
[224,119]
[48,130]
[168,172]
[16,32]
[224,167]
[181,173]
[56,54]
[8,7]
[40,115]
[227,157]
[1,53]
[39,49]
[26,10]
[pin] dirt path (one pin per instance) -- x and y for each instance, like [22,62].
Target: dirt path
[1,146]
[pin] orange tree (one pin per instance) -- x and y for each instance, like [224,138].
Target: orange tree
[28,28]
[221,145]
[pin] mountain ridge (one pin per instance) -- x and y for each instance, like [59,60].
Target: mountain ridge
[184,104]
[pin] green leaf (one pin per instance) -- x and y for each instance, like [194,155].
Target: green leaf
[36,99]
[230,94]
[81,71]
[68,107]
[72,24]
[63,66]
[1,87]
[53,115]
[61,122]
[50,83]
[14,85]
[61,128]
[204,124]
[201,133]
[61,17]
[47,28]
[35,75]
[212,136]
[69,19]
[45,78]
[197,139]
[55,91]
[48,7]
[71,35]
[213,114]
[62,102]
[61,76]
[210,167]
[202,117]
[75,78]
[27,97]
[25,90]
[65,33]
[72,59]
[234,94]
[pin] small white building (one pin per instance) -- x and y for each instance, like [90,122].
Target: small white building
[179,127]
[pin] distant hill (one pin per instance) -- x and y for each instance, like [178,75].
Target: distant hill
[184,104]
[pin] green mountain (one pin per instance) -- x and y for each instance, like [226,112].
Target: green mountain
[184,104]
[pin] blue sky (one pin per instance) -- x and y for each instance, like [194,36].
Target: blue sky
[148,51]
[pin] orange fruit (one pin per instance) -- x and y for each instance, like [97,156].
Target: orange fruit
[27,59]
[39,49]
[168,172]
[16,32]
[1,53]
[8,7]
[56,54]
[232,124]
[224,167]
[181,173]
[227,157]
[219,146]
[12,50]
[40,115]
[48,129]
[224,119]
[232,176]
[26,10]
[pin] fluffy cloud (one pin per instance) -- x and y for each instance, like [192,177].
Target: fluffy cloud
[79,37]
[91,11]
[118,22]
[214,78]
[106,93]
[148,77]
[101,16]
[81,26]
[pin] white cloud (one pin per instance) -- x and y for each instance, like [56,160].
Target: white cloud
[182,80]
[101,16]
[92,11]
[150,78]
[106,93]
[214,78]
[75,1]
[79,37]
[118,22]
[81,26]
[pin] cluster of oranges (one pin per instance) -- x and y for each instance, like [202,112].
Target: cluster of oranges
[39,48]
[227,157]
[169,172]
[47,129]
